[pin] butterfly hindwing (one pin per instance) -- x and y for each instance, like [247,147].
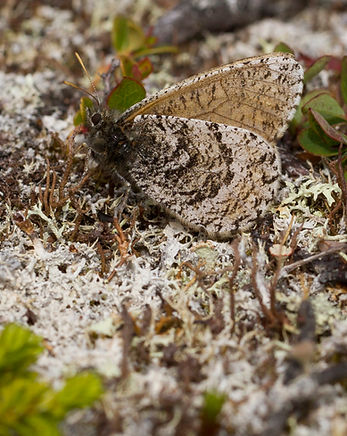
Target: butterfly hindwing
[209,175]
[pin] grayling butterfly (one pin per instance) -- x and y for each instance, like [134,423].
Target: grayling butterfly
[204,148]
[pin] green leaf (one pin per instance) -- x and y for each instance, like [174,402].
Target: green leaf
[77,119]
[344,79]
[126,94]
[314,143]
[151,40]
[316,68]
[42,425]
[299,116]
[81,115]
[19,348]
[126,36]
[30,407]
[127,67]
[79,391]
[23,408]
[282,47]
[119,33]
[327,106]
[20,396]
[137,70]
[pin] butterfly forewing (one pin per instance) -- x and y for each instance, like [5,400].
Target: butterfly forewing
[259,94]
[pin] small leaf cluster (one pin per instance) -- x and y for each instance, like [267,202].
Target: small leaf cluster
[321,117]
[29,405]
[132,47]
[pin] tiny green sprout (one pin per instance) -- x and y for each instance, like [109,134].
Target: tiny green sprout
[211,409]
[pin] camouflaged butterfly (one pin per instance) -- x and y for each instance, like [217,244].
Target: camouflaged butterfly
[204,148]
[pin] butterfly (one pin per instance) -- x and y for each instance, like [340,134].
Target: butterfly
[205,148]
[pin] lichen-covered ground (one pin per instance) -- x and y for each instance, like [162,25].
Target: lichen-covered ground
[164,315]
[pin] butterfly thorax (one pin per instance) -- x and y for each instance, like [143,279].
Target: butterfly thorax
[107,140]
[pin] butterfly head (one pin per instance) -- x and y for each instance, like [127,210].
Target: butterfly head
[102,134]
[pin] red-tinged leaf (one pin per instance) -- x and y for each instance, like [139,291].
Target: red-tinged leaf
[126,94]
[344,79]
[316,68]
[136,73]
[327,106]
[312,142]
[145,67]
[282,47]
[335,64]
[136,70]
[328,129]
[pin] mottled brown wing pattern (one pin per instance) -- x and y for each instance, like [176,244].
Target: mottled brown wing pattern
[199,172]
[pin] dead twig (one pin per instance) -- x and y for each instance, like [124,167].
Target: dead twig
[102,258]
[237,263]
[337,168]
[270,315]
[46,193]
[288,268]
[124,244]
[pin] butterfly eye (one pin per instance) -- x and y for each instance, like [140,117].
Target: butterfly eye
[96,118]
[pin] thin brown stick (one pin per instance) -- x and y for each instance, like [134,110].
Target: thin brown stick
[237,262]
[85,178]
[102,258]
[46,193]
[78,221]
[268,314]
[65,177]
[341,178]
[280,261]
[51,196]
[292,266]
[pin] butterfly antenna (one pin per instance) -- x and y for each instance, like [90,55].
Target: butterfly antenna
[88,75]
[93,96]
[83,90]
